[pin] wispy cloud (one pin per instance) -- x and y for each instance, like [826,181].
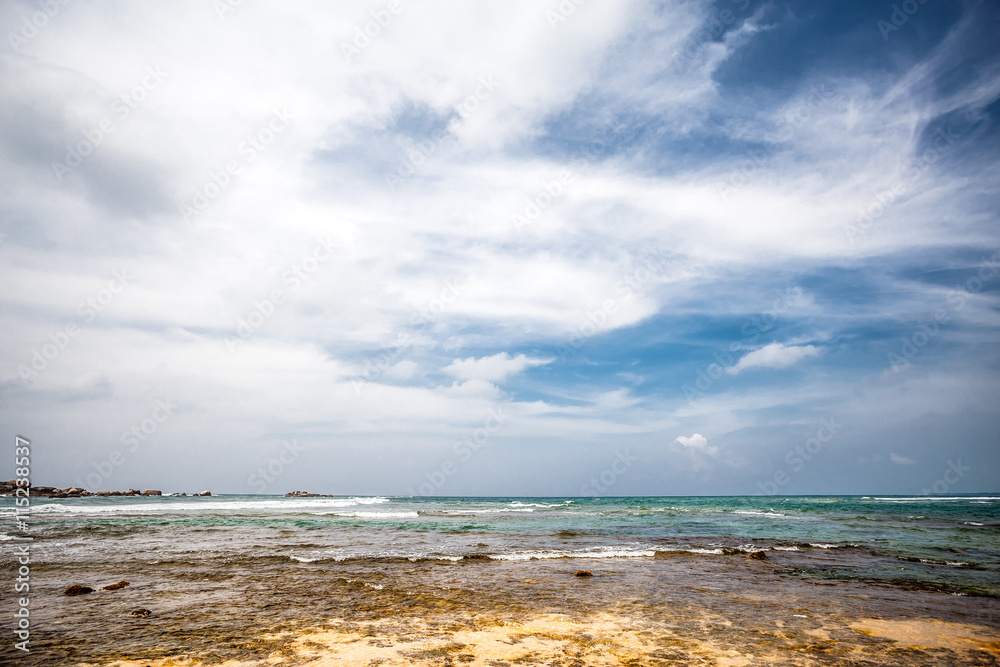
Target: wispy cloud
[774,355]
[495,368]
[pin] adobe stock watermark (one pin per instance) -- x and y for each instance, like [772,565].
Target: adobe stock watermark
[795,118]
[88,309]
[944,139]
[223,177]
[464,450]
[30,26]
[273,468]
[136,435]
[797,456]
[600,318]
[952,475]
[583,159]
[422,151]
[751,330]
[223,7]
[957,298]
[295,277]
[381,19]
[22,546]
[900,14]
[122,108]
[541,200]
[597,486]
[711,30]
[562,12]
[421,317]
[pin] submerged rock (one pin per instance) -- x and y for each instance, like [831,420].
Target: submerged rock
[141,612]
[758,555]
[584,573]
[115,587]
[78,590]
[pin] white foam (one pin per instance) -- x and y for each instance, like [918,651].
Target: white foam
[303,559]
[372,515]
[786,548]
[935,498]
[149,506]
[758,513]
[542,555]
[972,523]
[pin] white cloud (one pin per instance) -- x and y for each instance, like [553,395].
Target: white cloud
[492,369]
[901,460]
[404,370]
[699,443]
[774,355]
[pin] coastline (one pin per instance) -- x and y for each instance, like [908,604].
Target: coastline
[314,580]
[730,611]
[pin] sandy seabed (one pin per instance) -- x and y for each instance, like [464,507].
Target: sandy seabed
[638,611]
[603,640]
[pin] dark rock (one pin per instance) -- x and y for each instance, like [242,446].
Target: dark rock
[584,573]
[307,494]
[758,555]
[152,492]
[78,590]
[131,492]
[103,493]
[141,612]
[204,493]
[115,587]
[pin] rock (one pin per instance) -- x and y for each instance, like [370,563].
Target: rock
[103,493]
[131,492]
[306,494]
[758,555]
[75,491]
[78,590]
[143,613]
[584,573]
[115,587]
[204,493]
[151,492]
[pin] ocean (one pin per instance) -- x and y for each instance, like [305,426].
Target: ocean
[210,570]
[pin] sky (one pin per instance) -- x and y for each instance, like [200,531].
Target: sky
[502,248]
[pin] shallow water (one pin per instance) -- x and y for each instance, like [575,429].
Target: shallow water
[220,573]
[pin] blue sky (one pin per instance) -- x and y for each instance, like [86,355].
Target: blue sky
[492,248]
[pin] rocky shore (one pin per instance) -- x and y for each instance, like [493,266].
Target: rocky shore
[8,489]
[306,494]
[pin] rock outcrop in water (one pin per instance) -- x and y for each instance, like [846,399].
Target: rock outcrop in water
[9,488]
[584,573]
[115,587]
[757,555]
[306,494]
[78,590]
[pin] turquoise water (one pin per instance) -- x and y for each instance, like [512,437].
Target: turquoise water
[950,544]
